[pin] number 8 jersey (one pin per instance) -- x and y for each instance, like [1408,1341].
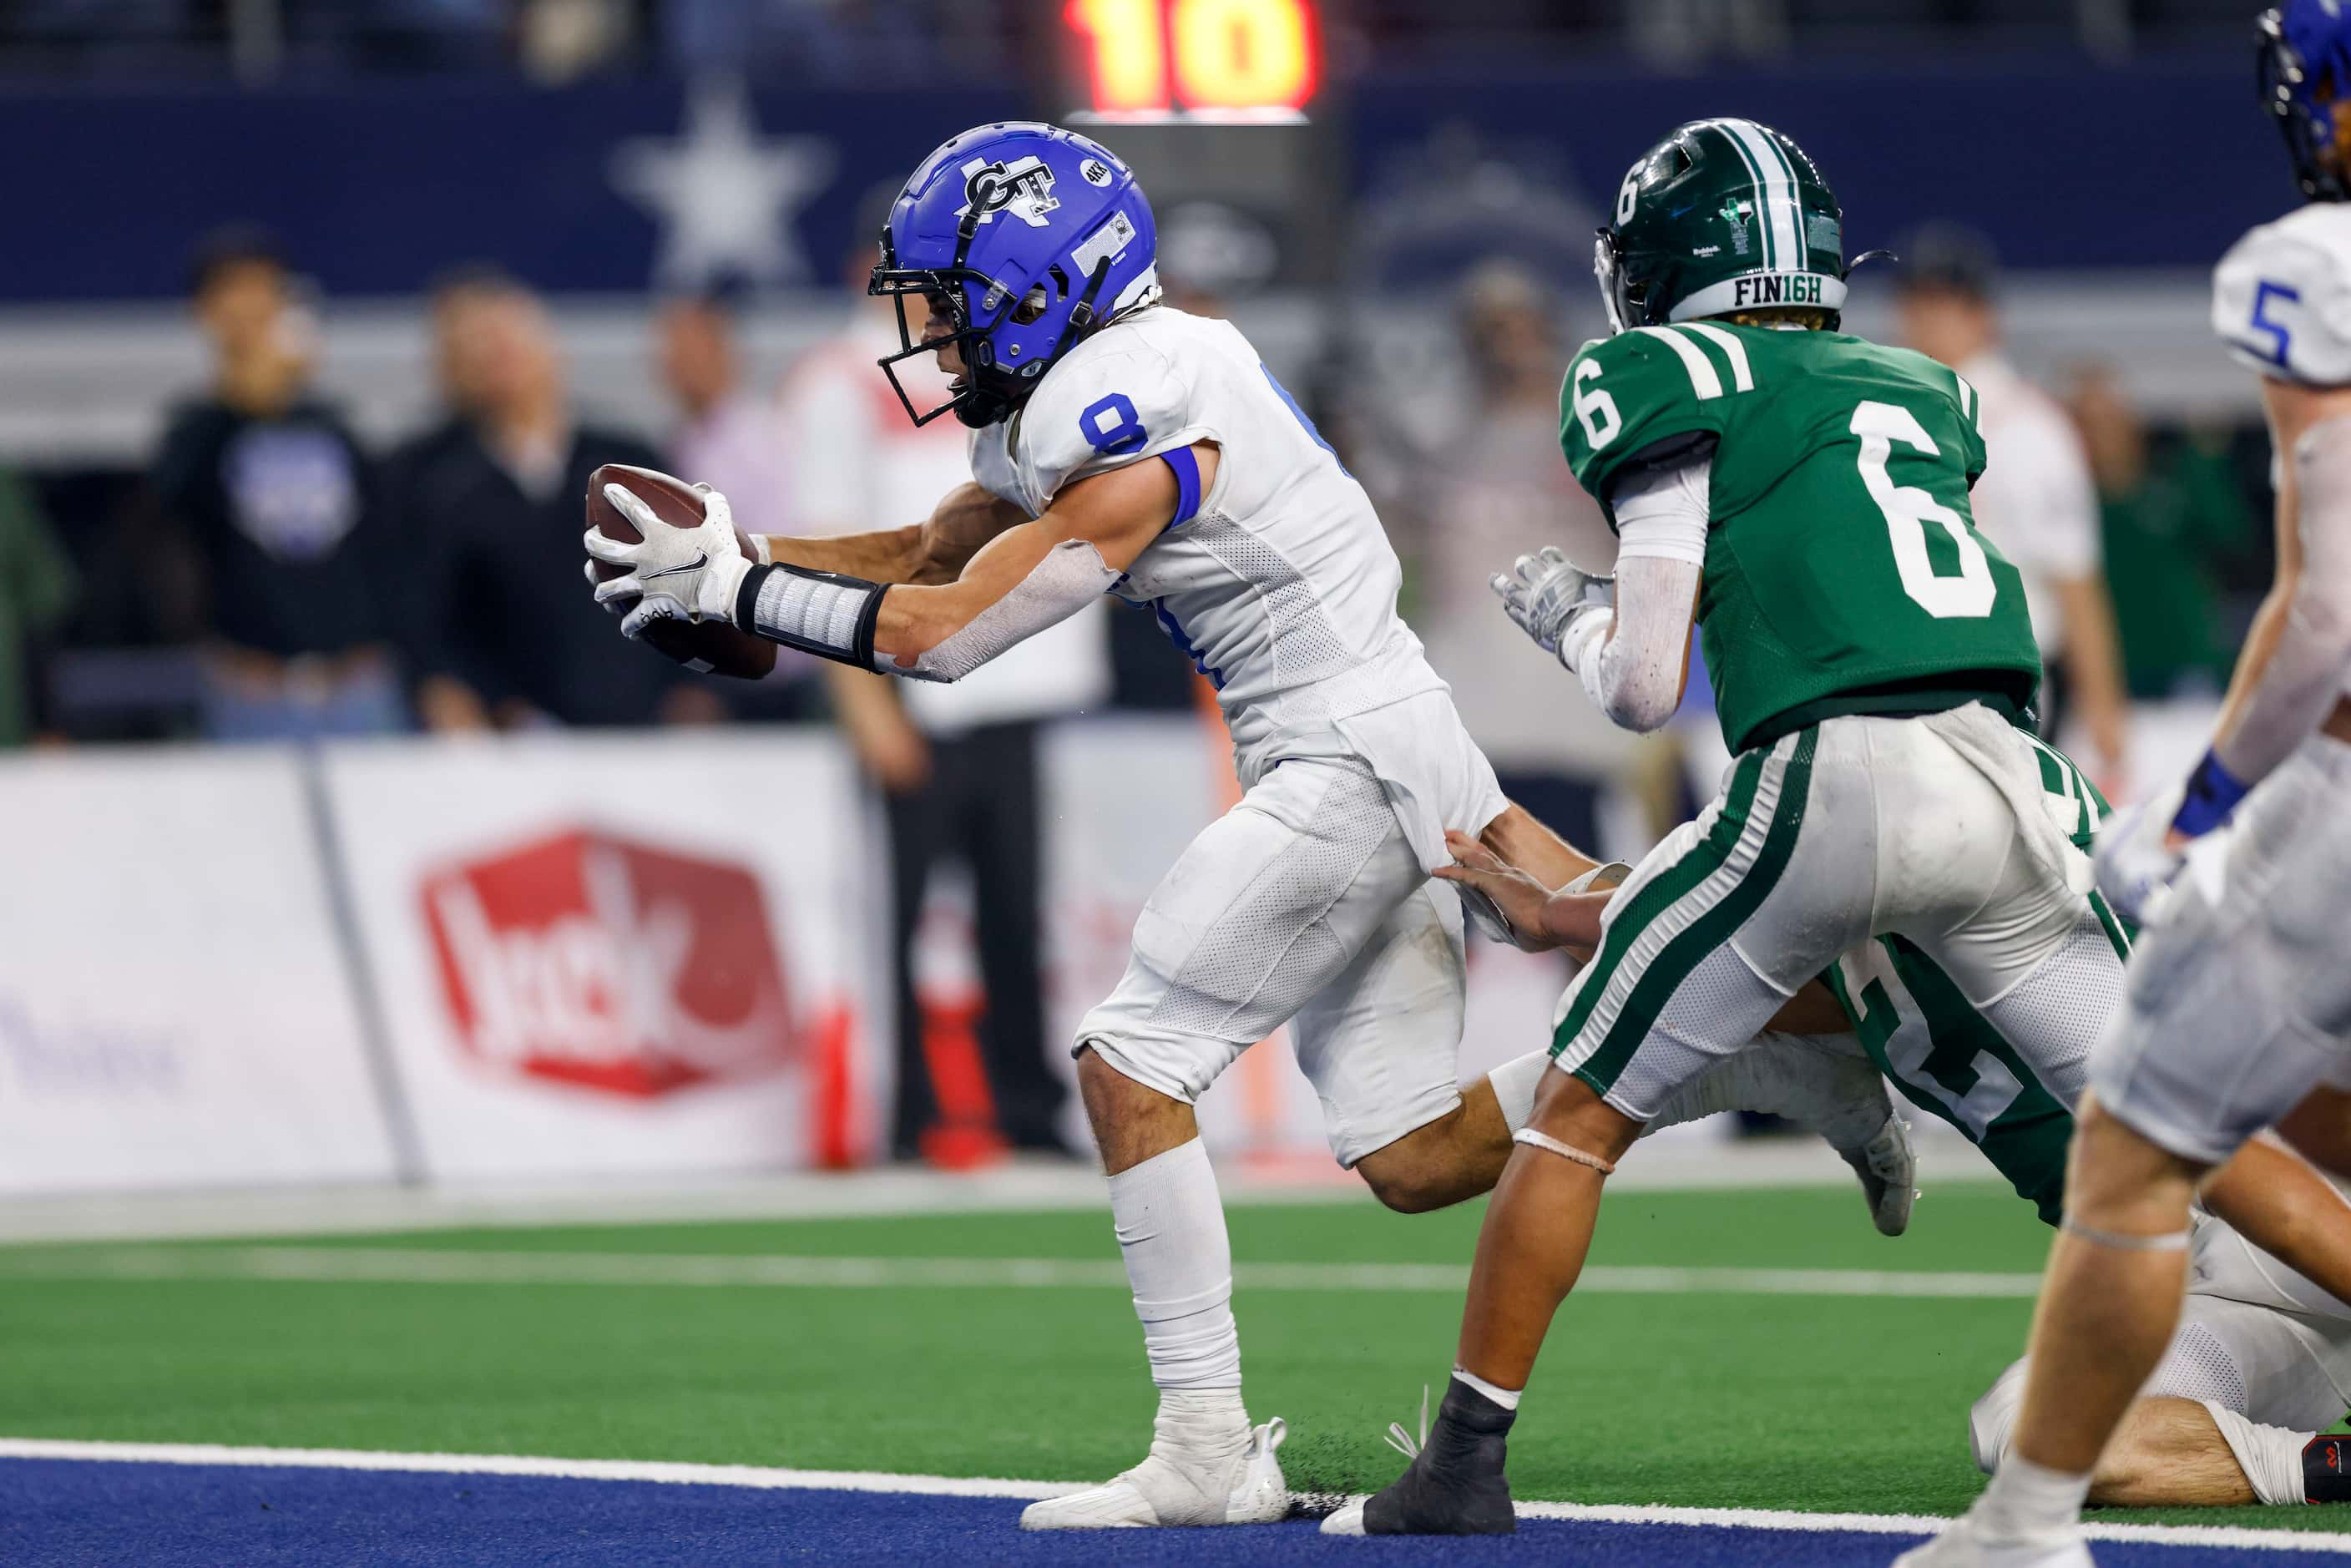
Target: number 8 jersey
[1844,572]
[1278,585]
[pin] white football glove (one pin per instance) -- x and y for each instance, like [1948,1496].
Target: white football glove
[2137,864]
[1548,595]
[676,574]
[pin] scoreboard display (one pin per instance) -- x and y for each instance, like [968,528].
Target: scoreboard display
[1173,60]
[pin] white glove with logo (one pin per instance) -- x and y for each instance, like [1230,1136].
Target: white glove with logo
[676,574]
[1556,602]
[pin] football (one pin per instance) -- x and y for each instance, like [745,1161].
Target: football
[709,647]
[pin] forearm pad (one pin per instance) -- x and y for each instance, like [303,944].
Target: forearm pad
[1072,576]
[819,612]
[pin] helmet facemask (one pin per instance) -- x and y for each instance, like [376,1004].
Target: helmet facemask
[2308,125]
[987,392]
[1620,297]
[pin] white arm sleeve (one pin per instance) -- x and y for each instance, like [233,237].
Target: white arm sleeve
[1634,677]
[1070,576]
[2306,670]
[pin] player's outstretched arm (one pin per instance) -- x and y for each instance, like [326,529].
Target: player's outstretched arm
[1031,575]
[931,551]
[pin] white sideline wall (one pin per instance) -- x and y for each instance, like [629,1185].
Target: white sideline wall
[520,960]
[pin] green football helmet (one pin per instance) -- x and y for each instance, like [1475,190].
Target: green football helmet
[1722,215]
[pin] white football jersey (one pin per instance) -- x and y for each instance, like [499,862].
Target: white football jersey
[1281,585]
[2282,299]
[2282,296]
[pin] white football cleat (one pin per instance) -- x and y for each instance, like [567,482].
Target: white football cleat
[1347,1520]
[1195,1474]
[1963,1545]
[1888,1169]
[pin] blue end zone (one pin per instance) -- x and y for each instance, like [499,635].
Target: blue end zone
[55,1513]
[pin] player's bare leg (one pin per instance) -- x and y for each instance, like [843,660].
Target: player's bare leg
[2112,1301]
[1839,1096]
[1207,1465]
[2109,1303]
[1452,1159]
[2168,1453]
[1530,1253]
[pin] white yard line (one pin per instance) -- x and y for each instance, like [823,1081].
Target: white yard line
[756,1475]
[1696,1164]
[417,1266]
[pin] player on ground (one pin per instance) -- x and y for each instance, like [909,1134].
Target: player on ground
[1803,495]
[1122,446]
[2239,1007]
[2262,1361]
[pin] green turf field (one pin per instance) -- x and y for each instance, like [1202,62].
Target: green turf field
[1697,1398]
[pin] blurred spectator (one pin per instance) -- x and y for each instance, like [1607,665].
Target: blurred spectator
[730,439]
[272,496]
[1497,490]
[956,765]
[37,588]
[506,630]
[454,310]
[2035,500]
[2170,519]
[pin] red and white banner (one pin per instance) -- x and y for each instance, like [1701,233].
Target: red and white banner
[176,1008]
[615,955]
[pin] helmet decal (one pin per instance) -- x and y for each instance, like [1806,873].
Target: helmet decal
[1023,188]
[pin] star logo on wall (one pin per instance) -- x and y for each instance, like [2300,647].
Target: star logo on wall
[727,200]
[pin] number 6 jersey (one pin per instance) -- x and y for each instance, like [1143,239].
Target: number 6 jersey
[1844,572]
[1278,583]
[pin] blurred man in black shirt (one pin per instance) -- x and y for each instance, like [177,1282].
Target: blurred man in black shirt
[274,502]
[491,524]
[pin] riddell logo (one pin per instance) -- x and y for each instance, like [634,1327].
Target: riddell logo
[596,962]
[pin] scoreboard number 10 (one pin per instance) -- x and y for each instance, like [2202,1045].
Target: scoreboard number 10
[1211,58]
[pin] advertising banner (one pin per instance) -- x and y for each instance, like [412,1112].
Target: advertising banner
[605,956]
[176,1008]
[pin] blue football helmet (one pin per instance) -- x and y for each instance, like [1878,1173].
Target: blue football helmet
[2304,66]
[1033,237]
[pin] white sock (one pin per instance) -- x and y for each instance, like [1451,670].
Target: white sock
[2026,1501]
[1508,1398]
[1171,1229]
[1515,1082]
[2270,1456]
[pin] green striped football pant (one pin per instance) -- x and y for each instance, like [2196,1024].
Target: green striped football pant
[1666,996]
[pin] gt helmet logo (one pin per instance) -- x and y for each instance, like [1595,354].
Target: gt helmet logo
[1095,170]
[1023,188]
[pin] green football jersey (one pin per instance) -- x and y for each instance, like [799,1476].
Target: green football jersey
[1844,572]
[1947,1059]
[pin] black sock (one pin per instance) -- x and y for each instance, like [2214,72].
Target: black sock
[2325,1463]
